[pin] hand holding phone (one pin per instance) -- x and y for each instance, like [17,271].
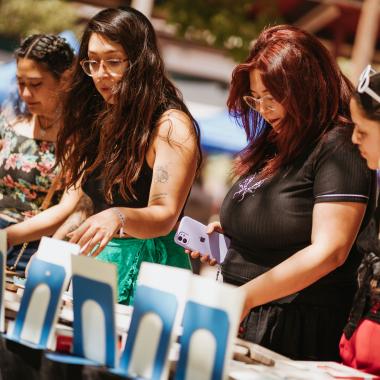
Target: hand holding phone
[193,236]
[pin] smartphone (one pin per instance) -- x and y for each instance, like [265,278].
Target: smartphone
[192,235]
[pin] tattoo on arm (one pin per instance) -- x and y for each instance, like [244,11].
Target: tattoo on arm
[70,225]
[158,196]
[71,228]
[161,175]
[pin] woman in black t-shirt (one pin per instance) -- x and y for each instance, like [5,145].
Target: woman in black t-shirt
[294,213]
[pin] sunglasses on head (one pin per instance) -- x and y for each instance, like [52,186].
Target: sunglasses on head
[363,86]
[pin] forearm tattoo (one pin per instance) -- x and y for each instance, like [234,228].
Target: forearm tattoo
[71,228]
[158,196]
[161,175]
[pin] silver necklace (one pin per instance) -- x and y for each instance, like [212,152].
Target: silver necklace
[44,130]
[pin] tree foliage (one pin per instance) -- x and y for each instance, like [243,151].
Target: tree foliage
[226,24]
[19,18]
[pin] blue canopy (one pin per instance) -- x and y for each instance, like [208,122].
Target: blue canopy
[7,79]
[220,133]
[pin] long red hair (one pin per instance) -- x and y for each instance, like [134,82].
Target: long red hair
[299,73]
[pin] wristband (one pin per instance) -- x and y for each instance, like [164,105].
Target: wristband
[122,220]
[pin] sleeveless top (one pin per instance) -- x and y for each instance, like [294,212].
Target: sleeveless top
[93,186]
[25,172]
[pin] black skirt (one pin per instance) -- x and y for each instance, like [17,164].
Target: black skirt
[306,327]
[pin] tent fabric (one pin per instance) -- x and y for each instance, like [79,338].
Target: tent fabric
[220,133]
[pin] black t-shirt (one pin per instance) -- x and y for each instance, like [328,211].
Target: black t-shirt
[270,220]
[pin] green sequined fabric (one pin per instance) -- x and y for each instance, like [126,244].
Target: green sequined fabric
[128,254]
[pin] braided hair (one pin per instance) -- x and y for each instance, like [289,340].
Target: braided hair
[50,50]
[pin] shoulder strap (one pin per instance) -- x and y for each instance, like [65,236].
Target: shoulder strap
[49,195]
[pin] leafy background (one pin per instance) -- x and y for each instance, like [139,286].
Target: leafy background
[223,24]
[19,18]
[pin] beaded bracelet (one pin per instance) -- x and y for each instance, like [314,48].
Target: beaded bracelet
[122,220]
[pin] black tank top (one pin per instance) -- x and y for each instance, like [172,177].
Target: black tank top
[93,186]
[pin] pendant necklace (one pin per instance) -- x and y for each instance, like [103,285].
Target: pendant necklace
[43,129]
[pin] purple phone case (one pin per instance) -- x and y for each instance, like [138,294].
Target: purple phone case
[192,235]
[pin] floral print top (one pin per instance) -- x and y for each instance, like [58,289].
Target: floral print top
[25,172]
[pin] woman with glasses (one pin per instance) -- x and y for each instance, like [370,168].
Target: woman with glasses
[360,343]
[28,131]
[300,197]
[128,142]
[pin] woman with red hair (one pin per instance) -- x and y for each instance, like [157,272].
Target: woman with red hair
[300,199]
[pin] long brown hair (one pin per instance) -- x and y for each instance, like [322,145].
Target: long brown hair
[299,73]
[116,137]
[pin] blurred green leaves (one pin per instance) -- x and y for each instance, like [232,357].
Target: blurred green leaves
[225,24]
[19,18]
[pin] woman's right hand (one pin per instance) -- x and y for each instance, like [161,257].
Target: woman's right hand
[214,226]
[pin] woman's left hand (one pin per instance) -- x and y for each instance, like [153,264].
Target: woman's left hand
[96,232]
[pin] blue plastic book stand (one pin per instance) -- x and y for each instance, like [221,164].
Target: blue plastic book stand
[94,329]
[34,324]
[205,327]
[94,297]
[150,331]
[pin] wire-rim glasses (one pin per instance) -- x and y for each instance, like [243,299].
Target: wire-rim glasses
[267,101]
[363,86]
[113,66]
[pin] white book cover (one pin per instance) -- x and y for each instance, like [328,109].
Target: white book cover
[57,252]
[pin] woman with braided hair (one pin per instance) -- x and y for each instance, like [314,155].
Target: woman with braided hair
[28,137]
